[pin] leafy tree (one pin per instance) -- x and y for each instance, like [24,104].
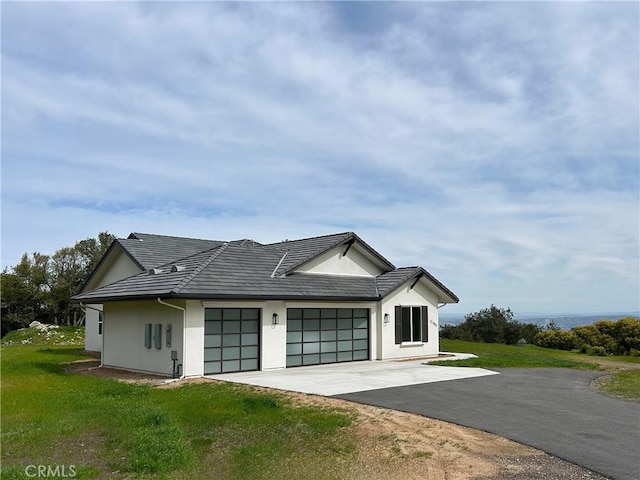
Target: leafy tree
[491,325]
[24,292]
[40,287]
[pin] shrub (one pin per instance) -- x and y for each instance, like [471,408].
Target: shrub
[599,350]
[490,325]
[617,338]
[627,333]
[558,339]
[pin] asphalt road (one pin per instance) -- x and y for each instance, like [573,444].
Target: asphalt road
[551,409]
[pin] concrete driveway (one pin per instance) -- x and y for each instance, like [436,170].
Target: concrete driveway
[550,409]
[341,378]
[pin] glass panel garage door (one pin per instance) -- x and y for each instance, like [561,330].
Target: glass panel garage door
[231,340]
[327,335]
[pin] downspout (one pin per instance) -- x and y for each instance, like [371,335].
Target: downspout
[184,330]
[82,305]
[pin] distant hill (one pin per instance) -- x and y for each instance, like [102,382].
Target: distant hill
[561,320]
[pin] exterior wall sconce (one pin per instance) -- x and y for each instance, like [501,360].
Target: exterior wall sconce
[275,319]
[387,319]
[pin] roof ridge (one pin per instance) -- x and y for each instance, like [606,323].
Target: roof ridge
[202,266]
[170,236]
[310,238]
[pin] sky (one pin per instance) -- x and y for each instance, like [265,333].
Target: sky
[496,144]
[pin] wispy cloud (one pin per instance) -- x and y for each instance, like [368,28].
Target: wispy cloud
[494,143]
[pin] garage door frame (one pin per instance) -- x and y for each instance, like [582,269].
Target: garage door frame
[232,339]
[318,335]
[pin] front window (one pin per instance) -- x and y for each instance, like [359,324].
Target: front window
[411,324]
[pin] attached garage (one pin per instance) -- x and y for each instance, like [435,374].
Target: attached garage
[231,340]
[327,335]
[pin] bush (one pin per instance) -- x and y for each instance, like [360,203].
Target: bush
[600,351]
[617,338]
[603,337]
[627,333]
[491,325]
[558,339]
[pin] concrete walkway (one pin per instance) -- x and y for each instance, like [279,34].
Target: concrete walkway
[343,378]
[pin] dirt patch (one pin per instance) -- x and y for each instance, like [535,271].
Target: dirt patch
[92,367]
[398,445]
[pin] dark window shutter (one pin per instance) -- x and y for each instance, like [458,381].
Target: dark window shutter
[425,324]
[398,324]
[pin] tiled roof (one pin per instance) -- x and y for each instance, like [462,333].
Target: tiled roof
[301,251]
[246,269]
[388,282]
[150,251]
[229,271]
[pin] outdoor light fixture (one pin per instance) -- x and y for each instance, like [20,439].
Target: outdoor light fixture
[386,318]
[275,319]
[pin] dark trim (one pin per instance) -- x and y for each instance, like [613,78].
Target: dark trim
[167,295]
[398,324]
[348,244]
[416,280]
[429,277]
[425,324]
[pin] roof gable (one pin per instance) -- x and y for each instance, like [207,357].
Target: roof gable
[301,252]
[391,281]
[247,269]
[343,259]
[115,264]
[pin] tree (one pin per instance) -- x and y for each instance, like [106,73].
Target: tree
[40,287]
[24,292]
[491,325]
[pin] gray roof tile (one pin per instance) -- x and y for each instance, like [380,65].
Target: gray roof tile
[150,250]
[243,269]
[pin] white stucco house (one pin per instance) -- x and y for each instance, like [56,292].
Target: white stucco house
[189,307]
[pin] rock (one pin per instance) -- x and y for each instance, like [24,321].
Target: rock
[34,324]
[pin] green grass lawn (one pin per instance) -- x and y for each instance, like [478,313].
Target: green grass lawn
[107,429]
[624,384]
[497,355]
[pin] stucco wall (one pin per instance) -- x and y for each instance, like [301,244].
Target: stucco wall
[92,339]
[124,336]
[193,362]
[333,262]
[418,296]
[115,267]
